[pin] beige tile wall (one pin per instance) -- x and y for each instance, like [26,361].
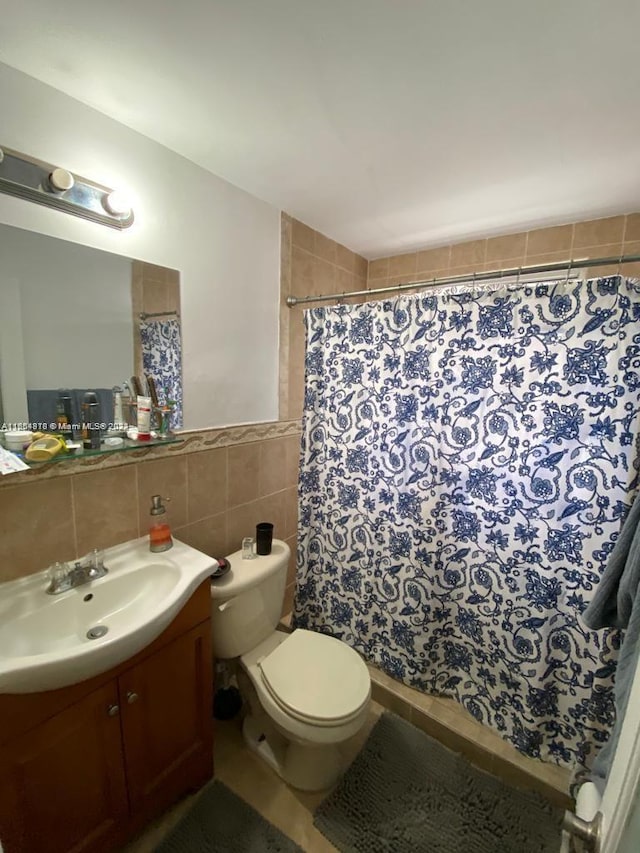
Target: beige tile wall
[608,237]
[217,498]
[311,264]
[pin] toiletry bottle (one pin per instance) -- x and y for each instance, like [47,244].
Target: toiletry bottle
[144,418]
[91,421]
[159,530]
[118,410]
[64,417]
[128,405]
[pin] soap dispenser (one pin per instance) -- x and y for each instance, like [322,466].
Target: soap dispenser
[159,531]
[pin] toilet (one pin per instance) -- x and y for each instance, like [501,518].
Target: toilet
[307,692]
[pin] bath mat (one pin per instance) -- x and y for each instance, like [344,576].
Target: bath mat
[221,822]
[406,793]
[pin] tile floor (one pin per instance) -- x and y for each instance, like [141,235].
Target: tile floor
[292,811]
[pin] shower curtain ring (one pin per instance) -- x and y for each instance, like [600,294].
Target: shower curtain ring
[518,277]
[566,281]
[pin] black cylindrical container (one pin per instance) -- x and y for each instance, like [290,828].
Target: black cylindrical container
[91,421]
[264,538]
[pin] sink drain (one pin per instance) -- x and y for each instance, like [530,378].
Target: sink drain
[97,632]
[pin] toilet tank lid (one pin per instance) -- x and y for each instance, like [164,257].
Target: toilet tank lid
[317,676]
[244,574]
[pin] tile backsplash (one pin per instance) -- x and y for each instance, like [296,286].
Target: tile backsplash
[218,494]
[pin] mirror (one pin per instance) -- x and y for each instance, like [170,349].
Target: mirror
[70,318]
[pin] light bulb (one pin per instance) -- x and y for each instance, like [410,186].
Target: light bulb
[61,180]
[117,203]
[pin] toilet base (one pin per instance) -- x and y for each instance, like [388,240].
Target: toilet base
[306,767]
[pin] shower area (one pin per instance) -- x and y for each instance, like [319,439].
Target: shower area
[469,453]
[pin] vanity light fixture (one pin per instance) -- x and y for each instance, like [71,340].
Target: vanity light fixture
[34,180]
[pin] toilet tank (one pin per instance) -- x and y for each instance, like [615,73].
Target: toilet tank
[247,602]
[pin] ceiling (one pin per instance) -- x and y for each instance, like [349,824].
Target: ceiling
[386,124]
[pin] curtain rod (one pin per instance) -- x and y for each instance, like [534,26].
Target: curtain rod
[144,316]
[473,277]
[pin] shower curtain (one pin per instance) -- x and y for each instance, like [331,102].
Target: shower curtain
[467,460]
[161,344]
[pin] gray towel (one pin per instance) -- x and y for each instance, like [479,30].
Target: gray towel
[616,604]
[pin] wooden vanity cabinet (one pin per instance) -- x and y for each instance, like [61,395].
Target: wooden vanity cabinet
[166,725]
[82,769]
[61,785]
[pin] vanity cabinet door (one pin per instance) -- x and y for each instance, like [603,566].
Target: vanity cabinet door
[167,724]
[62,784]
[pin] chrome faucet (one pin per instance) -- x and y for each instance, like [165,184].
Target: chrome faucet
[63,577]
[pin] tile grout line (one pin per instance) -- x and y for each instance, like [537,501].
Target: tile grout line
[332,263]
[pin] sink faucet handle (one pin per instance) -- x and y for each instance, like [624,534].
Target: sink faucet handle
[96,559]
[57,574]
[94,563]
[58,570]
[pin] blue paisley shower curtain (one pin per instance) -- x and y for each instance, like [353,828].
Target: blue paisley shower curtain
[468,458]
[161,344]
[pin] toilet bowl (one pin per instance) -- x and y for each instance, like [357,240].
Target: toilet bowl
[307,692]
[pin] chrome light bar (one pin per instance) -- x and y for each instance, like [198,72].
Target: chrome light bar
[34,180]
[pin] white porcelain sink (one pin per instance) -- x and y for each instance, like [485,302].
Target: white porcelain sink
[45,640]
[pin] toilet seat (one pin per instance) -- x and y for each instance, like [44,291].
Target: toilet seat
[316,679]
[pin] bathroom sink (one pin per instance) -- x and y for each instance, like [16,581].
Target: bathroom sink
[51,641]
